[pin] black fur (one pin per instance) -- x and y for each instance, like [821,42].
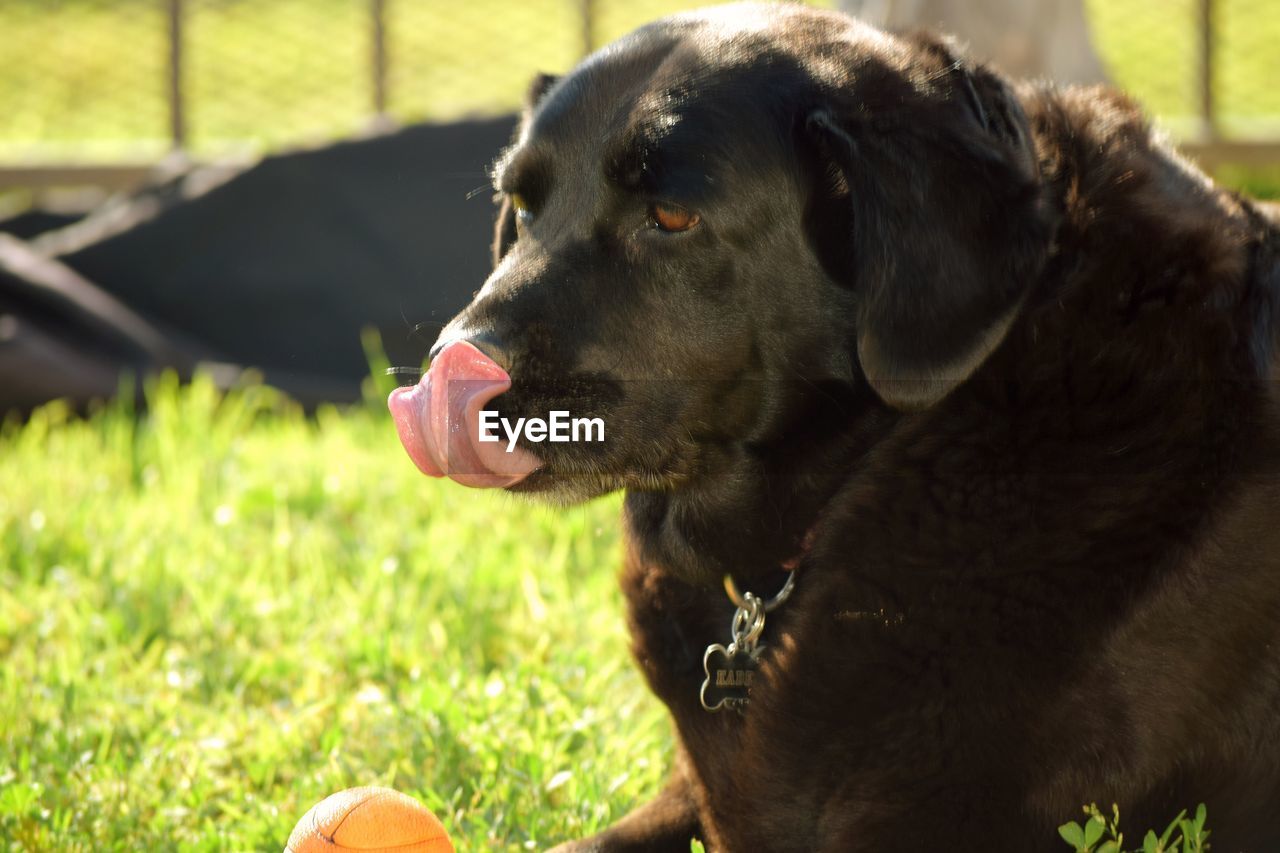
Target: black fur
[1001,359]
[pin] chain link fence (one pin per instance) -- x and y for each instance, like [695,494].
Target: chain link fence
[1205,67]
[126,81]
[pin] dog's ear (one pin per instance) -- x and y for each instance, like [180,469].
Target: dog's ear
[947,224]
[504,230]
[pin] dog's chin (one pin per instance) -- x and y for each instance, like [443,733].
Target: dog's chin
[562,489]
[566,481]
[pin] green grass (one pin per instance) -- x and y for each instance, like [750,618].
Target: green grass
[91,80]
[1150,48]
[215,616]
[86,78]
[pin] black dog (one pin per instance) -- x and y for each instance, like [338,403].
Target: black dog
[987,365]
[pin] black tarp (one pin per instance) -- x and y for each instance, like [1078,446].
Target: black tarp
[279,267]
[31,223]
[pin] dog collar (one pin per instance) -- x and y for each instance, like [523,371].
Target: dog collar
[731,669]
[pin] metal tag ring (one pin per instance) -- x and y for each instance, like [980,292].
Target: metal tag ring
[748,622]
[774,603]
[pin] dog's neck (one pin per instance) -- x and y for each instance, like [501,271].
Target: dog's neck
[752,517]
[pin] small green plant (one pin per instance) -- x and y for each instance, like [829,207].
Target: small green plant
[1102,835]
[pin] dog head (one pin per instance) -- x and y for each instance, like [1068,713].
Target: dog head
[731,225]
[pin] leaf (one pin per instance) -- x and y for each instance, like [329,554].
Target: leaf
[1169,830]
[558,780]
[1108,847]
[1151,844]
[1093,831]
[1072,834]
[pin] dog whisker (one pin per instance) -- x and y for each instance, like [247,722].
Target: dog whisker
[410,373]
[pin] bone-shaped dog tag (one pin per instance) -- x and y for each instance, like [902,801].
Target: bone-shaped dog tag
[730,672]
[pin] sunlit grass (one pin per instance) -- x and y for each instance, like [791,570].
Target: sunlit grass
[86,78]
[216,616]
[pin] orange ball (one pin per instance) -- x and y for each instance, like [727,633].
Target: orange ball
[369,820]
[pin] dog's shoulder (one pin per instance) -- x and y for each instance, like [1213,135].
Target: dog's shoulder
[1149,245]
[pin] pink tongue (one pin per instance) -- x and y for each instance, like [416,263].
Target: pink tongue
[439,421]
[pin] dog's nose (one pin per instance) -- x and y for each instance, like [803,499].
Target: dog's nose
[486,342]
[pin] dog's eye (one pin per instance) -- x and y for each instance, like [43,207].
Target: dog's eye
[523,213]
[672,217]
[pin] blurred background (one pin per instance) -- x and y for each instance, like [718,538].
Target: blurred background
[109,86]
[141,213]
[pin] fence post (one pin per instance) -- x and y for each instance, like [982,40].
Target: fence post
[177,111]
[1208,121]
[587,10]
[378,16]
